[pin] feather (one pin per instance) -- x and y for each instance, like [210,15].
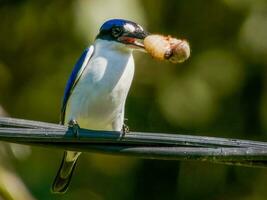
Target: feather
[74,78]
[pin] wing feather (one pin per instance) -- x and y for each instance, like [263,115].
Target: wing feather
[74,78]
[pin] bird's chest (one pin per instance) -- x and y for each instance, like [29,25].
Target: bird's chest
[100,94]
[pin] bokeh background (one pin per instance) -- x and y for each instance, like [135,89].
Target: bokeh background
[220,91]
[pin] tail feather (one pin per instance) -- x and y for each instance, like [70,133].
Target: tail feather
[63,177]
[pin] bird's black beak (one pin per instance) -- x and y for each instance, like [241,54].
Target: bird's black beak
[134,39]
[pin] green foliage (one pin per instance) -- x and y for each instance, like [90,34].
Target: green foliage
[219,91]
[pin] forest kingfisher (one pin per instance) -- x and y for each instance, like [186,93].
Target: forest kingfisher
[96,91]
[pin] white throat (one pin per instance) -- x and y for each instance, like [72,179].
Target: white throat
[111,47]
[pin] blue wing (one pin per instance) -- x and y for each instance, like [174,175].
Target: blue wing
[74,77]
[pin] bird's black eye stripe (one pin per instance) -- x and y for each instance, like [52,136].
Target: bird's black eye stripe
[116,31]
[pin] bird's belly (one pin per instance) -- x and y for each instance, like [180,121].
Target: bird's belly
[97,112]
[100,104]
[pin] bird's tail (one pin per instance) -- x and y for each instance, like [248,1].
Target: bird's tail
[65,172]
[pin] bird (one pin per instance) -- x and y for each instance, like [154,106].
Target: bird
[98,86]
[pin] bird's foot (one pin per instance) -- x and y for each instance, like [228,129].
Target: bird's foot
[73,124]
[125,129]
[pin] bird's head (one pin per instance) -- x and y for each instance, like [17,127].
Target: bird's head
[123,34]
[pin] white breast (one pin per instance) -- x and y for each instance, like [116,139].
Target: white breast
[97,101]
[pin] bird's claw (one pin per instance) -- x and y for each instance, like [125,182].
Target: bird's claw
[73,124]
[125,129]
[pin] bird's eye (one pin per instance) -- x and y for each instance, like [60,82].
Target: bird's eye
[116,31]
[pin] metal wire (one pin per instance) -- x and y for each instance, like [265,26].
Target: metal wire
[138,144]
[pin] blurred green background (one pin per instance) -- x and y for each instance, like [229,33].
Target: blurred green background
[220,91]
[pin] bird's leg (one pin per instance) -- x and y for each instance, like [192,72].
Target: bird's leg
[73,124]
[125,129]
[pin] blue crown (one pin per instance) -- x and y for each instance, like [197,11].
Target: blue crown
[114,22]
